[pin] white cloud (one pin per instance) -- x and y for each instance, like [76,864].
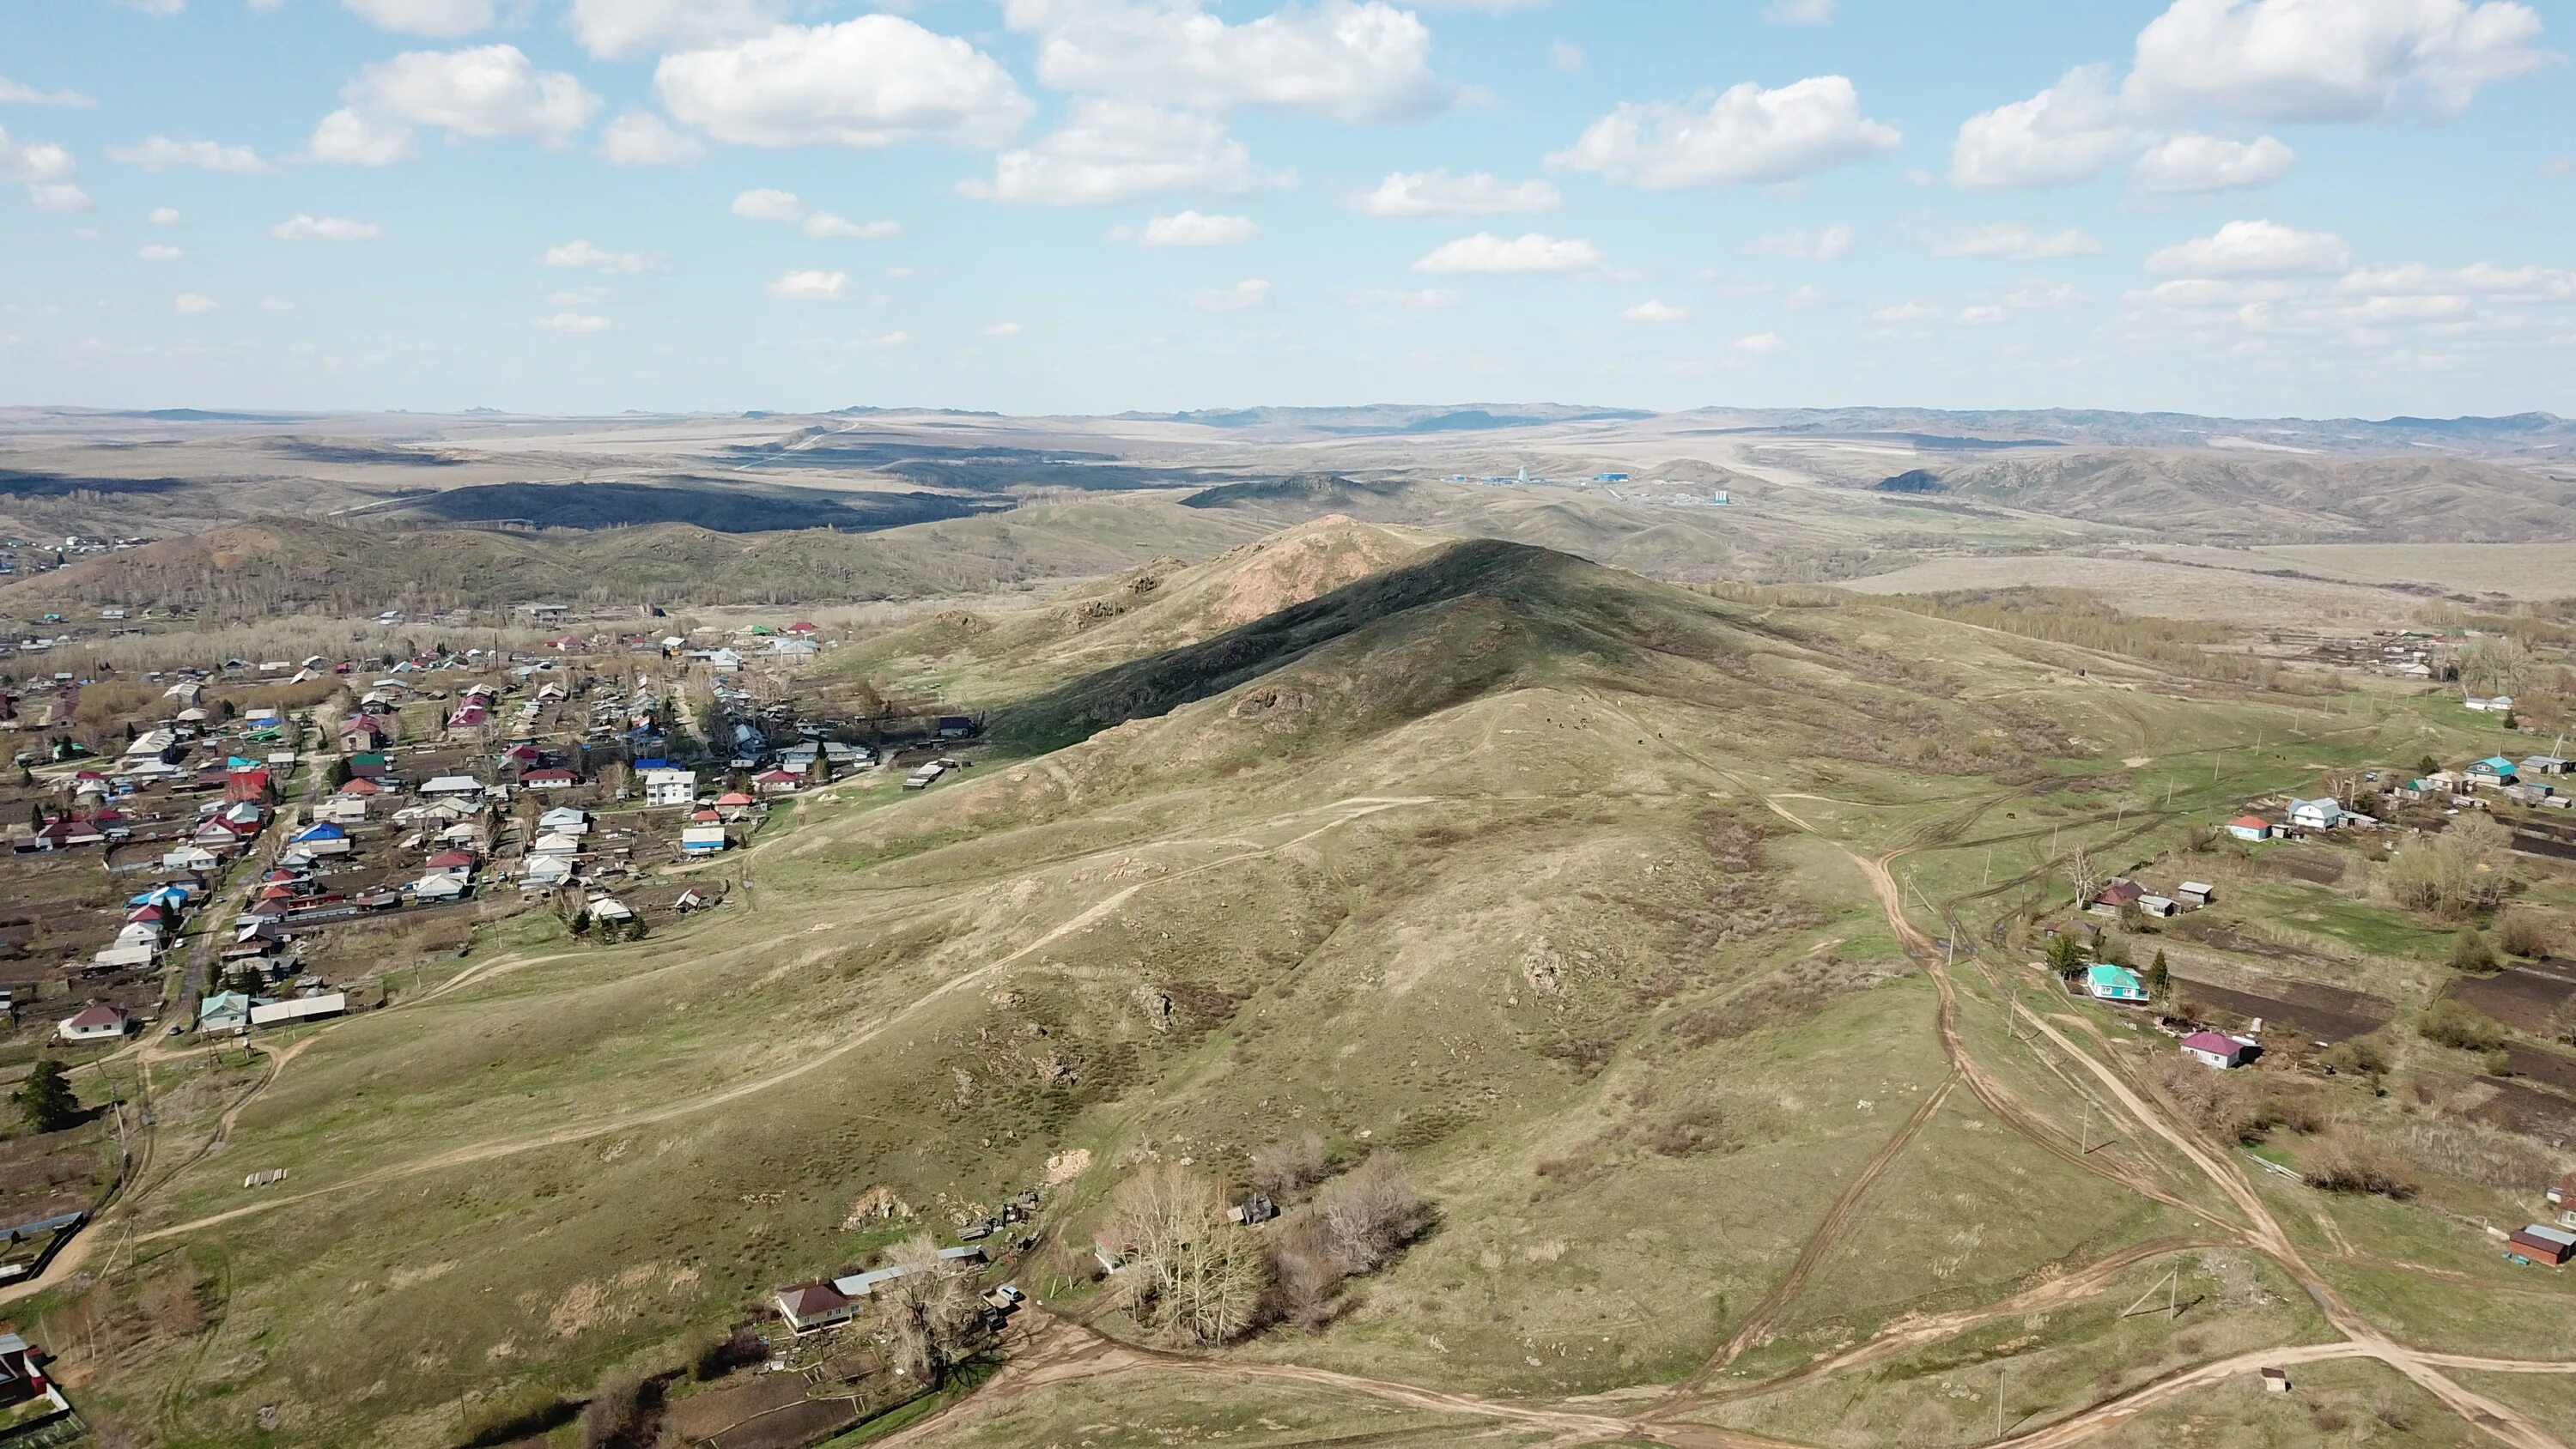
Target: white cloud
[577,297]
[2251,249]
[1985,315]
[14,93]
[190,304]
[2330,60]
[1003,329]
[1746,134]
[574,322]
[825,226]
[1191,229]
[164,216]
[2194,162]
[584,255]
[618,29]
[812,286]
[641,138]
[482,93]
[1566,56]
[868,83]
[159,252]
[1250,292]
[1800,12]
[784,207]
[1655,311]
[1904,312]
[2043,295]
[48,172]
[444,19]
[1111,150]
[1423,300]
[1804,299]
[2065,134]
[1759,344]
[770,204]
[161,153]
[2009,241]
[1492,255]
[325,228]
[275,304]
[1343,59]
[2508,284]
[1437,193]
[1805,246]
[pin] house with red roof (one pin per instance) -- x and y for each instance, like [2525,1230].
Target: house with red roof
[98,1023]
[2250,827]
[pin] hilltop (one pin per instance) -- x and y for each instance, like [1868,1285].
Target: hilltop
[2226,499]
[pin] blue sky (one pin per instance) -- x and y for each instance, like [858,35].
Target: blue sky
[2319,207]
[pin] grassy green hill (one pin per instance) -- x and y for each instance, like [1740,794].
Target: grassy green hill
[1572,887]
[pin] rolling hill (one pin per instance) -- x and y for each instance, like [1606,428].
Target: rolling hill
[2232,499]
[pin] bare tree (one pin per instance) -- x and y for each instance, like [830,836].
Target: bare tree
[1194,1278]
[926,1317]
[1286,1168]
[2082,874]
[1371,1212]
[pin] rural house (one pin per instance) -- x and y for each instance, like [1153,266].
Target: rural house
[2319,814]
[811,1306]
[2114,983]
[2117,894]
[2493,770]
[2250,827]
[2211,1049]
[670,787]
[98,1023]
[2544,1244]
[2493,704]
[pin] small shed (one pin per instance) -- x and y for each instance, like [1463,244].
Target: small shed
[2544,1244]
[2195,893]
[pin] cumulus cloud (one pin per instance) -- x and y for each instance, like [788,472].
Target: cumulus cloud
[2504,284]
[1437,193]
[1905,312]
[587,257]
[444,19]
[159,252]
[191,303]
[481,93]
[1745,134]
[1982,315]
[1759,344]
[618,29]
[1805,246]
[1348,61]
[868,83]
[15,93]
[1191,229]
[574,322]
[2330,60]
[812,286]
[2008,241]
[1003,329]
[2252,249]
[325,228]
[1800,12]
[2194,162]
[1652,310]
[161,153]
[1491,255]
[164,216]
[2065,134]
[48,172]
[641,138]
[1566,56]
[1110,151]
[1248,293]
[769,204]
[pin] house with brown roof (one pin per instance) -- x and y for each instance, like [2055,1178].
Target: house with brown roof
[808,1307]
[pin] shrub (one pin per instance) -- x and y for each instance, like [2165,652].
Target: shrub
[2362,1055]
[2460,1026]
[2345,1161]
[1286,1168]
[739,1349]
[2527,934]
[2470,952]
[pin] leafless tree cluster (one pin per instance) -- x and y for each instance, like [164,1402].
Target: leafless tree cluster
[1193,1277]
[926,1318]
[1356,1223]
[2453,873]
[1285,1169]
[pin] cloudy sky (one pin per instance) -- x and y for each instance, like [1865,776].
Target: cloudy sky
[2318,207]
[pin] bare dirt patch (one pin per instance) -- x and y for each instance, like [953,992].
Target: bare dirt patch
[2324,1013]
[2522,997]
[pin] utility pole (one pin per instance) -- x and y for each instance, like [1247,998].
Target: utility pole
[2003,1371]
[2084,1134]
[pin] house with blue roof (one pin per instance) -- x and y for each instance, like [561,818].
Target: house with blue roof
[2114,983]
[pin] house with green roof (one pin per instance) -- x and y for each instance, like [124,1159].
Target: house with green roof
[2114,983]
[2493,770]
